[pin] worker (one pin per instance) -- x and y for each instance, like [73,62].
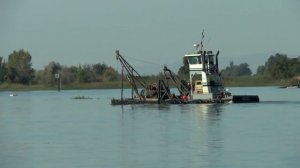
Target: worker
[184,98]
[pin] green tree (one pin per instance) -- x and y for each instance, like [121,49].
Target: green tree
[294,66]
[49,72]
[183,71]
[91,72]
[98,71]
[110,74]
[277,66]
[19,67]
[236,70]
[83,74]
[99,68]
[3,70]
[38,77]
[67,76]
[244,69]
[261,70]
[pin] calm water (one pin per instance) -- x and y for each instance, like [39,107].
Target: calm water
[47,129]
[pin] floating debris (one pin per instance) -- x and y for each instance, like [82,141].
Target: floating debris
[82,97]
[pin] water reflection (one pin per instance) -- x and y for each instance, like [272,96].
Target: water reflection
[208,122]
[208,111]
[133,109]
[189,134]
[139,107]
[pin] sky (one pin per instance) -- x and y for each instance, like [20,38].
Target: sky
[148,33]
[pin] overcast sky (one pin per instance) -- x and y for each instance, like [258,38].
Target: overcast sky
[149,33]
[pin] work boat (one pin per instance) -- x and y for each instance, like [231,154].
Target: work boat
[205,84]
[205,79]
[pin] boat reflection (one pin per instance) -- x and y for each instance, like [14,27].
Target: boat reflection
[208,132]
[191,133]
[208,111]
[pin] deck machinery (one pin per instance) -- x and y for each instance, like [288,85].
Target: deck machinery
[205,84]
[143,92]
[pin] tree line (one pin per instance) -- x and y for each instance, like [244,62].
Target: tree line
[236,70]
[18,69]
[280,66]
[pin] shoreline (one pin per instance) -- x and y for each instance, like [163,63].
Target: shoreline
[117,85]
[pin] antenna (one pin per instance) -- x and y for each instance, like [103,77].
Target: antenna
[202,40]
[201,43]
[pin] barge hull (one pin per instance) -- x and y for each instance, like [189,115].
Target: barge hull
[245,99]
[232,99]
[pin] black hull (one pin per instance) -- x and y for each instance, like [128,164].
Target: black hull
[233,99]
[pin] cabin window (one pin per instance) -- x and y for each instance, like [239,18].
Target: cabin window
[199,60]
[193,60]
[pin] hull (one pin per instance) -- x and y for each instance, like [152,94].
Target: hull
[168,101]
[230,99]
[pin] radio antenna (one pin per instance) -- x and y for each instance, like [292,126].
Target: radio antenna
[201,44]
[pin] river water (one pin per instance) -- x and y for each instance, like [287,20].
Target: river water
[49,129]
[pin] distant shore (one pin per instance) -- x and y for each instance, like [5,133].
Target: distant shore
[228,82]
[254,81]
[32,87]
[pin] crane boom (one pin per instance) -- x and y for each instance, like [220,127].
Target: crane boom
[132,75]
[180,84]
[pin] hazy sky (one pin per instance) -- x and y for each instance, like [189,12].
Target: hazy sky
[156,32]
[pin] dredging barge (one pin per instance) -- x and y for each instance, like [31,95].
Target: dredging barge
[205,84]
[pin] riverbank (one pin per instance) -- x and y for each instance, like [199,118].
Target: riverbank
[244,81]
[94,85]
[229,82]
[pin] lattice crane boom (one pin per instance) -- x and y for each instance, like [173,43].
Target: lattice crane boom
[132,75]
